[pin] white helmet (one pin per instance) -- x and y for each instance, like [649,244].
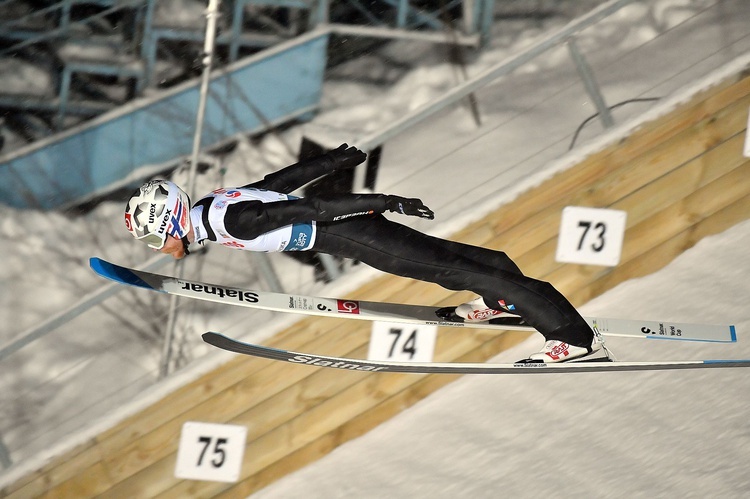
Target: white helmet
[156,210]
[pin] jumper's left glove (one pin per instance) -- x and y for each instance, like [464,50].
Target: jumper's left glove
[408,206]
[345,156]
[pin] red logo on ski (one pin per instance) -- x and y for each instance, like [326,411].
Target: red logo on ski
[347,306]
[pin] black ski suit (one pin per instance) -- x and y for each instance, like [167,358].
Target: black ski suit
[351,226]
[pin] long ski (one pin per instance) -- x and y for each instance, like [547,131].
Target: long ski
[390,312]
[342,363]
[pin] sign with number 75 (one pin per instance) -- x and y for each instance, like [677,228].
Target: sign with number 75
[210,451]
[591,236]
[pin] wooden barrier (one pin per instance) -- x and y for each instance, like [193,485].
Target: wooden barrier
[679,178]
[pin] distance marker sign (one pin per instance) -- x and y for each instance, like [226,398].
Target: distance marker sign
[591,236]
[402,342]
[210,451]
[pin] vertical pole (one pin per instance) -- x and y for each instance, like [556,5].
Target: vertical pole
[330,266]
[65,16]
[237,19]
[592,87]
[322,14]
[212,13]
[266,270]
[468,17]
[5,460]
[148,48]
[486,20]
[62,109]
[402,10]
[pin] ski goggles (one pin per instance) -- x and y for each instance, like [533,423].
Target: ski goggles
[157,242]
[154,241]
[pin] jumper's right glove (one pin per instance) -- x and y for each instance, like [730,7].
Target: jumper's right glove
[408,206]
[345,156]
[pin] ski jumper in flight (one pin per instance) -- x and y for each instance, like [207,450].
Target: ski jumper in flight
[263,216]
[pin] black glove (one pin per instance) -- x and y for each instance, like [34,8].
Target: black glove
[408,206]
[345,156]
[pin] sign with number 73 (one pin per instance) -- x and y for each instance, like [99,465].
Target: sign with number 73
[591,236]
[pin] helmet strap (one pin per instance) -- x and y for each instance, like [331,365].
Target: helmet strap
[185,244]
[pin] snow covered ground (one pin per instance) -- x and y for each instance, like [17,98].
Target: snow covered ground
[62,382]
[650,434]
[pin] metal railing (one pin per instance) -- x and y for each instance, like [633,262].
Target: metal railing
[65,25]
[80,307]
[501,69]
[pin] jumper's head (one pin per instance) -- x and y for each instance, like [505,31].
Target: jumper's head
[156,210]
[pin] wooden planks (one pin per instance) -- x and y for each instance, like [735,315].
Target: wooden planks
[680,178]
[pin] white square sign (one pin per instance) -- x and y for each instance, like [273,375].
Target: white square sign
[402,342]
[211,452]
[591,236]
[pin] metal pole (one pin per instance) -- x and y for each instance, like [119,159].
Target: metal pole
[263,263]
[212,12]
[5,460]
[589,81]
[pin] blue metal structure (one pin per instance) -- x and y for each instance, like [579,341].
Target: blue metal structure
[275,84]
[138,43]
[279,85]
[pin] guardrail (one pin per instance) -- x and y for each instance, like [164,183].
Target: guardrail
[503,68]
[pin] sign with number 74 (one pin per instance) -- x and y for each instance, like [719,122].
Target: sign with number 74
[591,236]
[402,342]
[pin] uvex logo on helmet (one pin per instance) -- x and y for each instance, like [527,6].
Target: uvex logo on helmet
[164,221]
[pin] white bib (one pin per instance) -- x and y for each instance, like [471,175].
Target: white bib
[294,237]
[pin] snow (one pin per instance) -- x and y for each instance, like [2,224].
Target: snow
[655,434]
[614,435]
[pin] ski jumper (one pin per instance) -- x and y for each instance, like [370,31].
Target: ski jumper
[262,216]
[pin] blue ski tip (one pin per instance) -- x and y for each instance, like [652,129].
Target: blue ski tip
[733,331]
[117,273]
[727,361]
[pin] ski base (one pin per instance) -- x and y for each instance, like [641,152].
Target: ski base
[342,363]
[391,312]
